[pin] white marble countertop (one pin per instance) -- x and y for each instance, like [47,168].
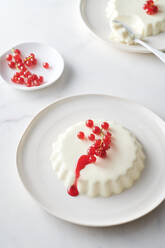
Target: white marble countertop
[90,67]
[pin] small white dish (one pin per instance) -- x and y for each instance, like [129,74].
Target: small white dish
[36,173]
[44,53]
[93,15]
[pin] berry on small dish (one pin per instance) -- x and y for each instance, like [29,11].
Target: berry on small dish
[21,67]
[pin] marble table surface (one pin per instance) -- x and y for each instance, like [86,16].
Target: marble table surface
[90,67]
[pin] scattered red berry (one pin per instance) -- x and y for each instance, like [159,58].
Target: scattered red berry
[91,137]
[89,123]
[81,135]
[96,130]
[46,65]
[9,57]
[105,125]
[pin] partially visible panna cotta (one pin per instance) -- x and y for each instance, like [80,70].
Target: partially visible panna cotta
[106,175]
[133,14]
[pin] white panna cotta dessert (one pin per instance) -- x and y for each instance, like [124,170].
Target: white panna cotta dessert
[110,174]
[133,14]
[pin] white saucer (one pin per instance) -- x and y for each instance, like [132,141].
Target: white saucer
[38,178]
[44,53]
[93,15]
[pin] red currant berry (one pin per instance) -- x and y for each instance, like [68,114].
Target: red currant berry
[28,63]
[20,80]
[23,68]
[105,125]
[108,134]
[91,150]
[27,74]
[21,73]
[32,55]
[41,79]
[17,58]
[97,143]
[11,64]
[13,79]
[91,137]
[34,77]
[19,65]
[89,123]
[103,154]
[9,57]
[34,61]
[37,83]
[17,74]
[29,84]
[46,65]
[81,135]
[96,130]
[17,51]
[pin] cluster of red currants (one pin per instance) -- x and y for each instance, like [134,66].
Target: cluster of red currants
[150,7]
[101,144]
[23,76]
[30,60]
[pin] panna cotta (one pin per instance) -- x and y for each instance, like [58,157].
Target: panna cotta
[113,167]
[145,18]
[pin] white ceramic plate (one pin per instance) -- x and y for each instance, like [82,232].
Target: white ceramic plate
[44,53]
[37,176]
[93,15]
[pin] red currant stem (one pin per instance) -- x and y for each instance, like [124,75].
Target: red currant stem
[29,57]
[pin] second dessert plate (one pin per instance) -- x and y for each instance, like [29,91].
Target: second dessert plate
[93,15]
[35,170]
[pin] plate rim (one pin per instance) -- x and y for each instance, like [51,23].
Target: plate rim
[30,125]
[122,47]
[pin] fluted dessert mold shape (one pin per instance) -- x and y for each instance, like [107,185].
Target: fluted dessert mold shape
[109,176]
